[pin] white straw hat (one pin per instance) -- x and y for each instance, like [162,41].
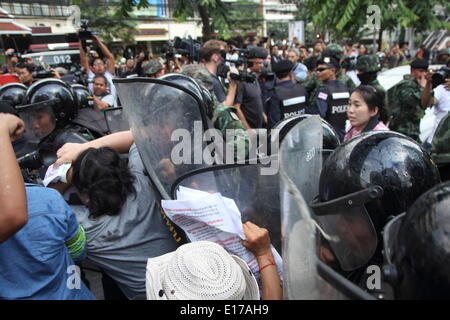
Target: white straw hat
[201,270]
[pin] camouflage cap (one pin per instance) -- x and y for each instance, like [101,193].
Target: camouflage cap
[440,150]
[200,74]
[334,50]
[368,63]
[152,67]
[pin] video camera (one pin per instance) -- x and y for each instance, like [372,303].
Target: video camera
[30,164]
[85,33]
[241,61]
[183,47]
[42,72]
[440,76]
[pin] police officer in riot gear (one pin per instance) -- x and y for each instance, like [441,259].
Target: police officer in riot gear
[365,181]
[417,254]
[331,100]
[287,98]
[49,111]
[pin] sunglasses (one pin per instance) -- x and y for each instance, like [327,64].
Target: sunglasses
[321,69]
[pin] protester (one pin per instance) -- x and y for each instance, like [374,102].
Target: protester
[38,261]
[204,270]
[121,218]
[13,210]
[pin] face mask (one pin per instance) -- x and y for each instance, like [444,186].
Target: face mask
[367,77]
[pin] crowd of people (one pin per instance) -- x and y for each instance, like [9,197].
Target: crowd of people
[118,223]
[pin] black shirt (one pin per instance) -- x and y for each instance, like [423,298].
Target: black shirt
[218,89]
[250,97]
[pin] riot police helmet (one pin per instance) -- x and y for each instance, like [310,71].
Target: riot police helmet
[83,96]
[367,179]
[60,93]
[49,104]
[330,137]
[193,86]
[13,92]
[417,251]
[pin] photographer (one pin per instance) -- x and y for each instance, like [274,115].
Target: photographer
[249,98]
[211,56]
[97,66]
[25,73]
[439,97]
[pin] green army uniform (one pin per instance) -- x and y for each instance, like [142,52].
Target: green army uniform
[224,117]
[405,107]
[370,64]
[377,85]
[440,148]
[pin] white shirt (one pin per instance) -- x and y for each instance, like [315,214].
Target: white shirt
[441,108]
[109,99]
[108,76]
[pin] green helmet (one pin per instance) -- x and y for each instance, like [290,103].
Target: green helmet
[200,74]
[334,50]
[368,63]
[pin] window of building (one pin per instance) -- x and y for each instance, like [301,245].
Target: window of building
[6,6]
[58,11]
[26,9]
[17,8]
[37,10]
[45,10]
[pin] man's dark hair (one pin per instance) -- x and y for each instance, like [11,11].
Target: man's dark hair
[92,61]
[104,177]
[27,66]
[102,77]
[281,75]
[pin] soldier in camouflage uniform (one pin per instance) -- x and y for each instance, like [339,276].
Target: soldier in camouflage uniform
[223,117]
[313,83]
[367,67]
[440,148]
[404,101]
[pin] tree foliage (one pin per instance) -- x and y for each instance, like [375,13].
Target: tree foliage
[108,21]
[215,15]
[346,18]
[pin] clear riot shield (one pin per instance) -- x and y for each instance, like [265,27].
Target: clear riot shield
[91,119]
[39,119]
[167,123]
[305,276]
[254,189]
[116,119]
